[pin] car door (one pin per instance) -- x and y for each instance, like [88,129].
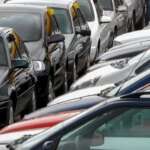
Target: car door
[120,18]
[56,52]
[82,45]
[22,79]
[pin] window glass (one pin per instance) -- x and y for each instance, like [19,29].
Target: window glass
[3,57]
[28,26]
[64,20]
[87,9]
[118,129]
[106,4]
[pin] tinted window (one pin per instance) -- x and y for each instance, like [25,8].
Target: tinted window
[106,4]
[3,60]
[118,129]
[64,20]
[28,26]
[87,9]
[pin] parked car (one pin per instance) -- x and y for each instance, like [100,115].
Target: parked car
[132,36]
[136,12]
[39,123]
[74,28]
[17,82]
[123,118]
[41,39]
[114,73]
[88,97]
[117,11]
[101,33]
[120,52]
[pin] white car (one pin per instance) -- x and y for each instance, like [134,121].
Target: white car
[118,13]
[114,73]
[100,31]
[136,11]
[82,93]
[132,36]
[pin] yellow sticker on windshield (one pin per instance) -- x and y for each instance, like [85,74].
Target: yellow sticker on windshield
[76,5]
[50,11]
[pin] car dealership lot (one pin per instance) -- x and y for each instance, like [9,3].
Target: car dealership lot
[64,57]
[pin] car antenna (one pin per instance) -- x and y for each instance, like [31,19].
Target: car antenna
[144,53]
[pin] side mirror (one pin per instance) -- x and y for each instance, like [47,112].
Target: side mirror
[122,9]
[56,39]
[84,32]
[38,66]
[20,63]
[106,19]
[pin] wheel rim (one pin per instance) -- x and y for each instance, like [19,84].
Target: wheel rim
[11,115]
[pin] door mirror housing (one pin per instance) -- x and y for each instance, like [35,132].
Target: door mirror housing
[20,63]
[105,19]
[122,9]
[56,38]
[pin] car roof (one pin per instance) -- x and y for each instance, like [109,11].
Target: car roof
[54,3]
[22,8]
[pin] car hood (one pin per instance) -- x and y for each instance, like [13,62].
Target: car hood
[4,71]
[68,39]
[80,94]
[39,123]
[37,52]
[133,36]
[94,75]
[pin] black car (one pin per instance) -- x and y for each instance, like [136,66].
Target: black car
[119,123]
[80,102]
[17,82]
[41,35]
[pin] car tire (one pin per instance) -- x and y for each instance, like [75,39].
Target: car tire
[74,72]
[51,94]
[88,62]
[32,104]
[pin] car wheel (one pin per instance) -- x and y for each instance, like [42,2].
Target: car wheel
[32,104]
[132,28]
[74,72]
[11,115]
[88,61]
[51,94]
[66,83]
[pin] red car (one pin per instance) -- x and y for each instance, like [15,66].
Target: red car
[39,123]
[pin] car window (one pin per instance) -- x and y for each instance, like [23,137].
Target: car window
[27,25]
[99,9]
[64,20]
[87,9]
[106,4]
[124,128]
[3,57]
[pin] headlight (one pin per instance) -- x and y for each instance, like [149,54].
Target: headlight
[120,63]
[38,66]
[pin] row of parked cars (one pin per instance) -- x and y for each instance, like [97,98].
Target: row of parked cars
[47,46]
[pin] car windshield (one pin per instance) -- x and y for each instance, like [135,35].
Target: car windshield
[106,4]
[87,9]
[64,20]
[27,25]
[3,60]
